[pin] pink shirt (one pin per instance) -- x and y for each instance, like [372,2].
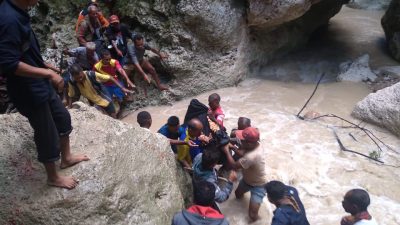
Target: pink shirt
[219,115]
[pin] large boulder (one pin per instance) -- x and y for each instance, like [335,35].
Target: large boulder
[391,26]
[381,108]
[131,178]
[277,27]
[369,4]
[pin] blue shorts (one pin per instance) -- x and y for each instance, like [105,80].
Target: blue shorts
[115,91]
[257,192]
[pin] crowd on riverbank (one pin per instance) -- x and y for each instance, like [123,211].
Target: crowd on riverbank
[201,143]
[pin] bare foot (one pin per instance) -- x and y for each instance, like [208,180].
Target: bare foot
[163,87]
[63,182]
[147,79]
[72,160]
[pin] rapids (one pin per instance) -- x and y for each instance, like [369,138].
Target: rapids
[305,153]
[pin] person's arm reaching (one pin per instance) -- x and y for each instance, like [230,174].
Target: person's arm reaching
[135,61]
[128,81]
[126,91]
[50,66]
[229,159]
[223,191]
[179,142]
[160,54]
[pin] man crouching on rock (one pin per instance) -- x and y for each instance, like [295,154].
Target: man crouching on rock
[29,83]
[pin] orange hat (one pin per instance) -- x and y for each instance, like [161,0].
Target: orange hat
[250,134]
[113,19]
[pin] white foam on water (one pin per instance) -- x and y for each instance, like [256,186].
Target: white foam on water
[305,153]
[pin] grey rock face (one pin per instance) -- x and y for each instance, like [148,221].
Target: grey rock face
[381,108]
[391,26]
[211,43]
[356,71]
[369,4]
[131,178]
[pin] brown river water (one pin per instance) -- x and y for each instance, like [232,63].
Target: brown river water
[305,154]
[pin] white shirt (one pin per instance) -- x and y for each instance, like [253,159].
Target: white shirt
[366,222]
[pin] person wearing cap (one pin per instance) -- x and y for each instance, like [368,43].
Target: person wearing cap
[201,212]
[172,130]
[356,202]
[253,169]
[289,208]
[117,35]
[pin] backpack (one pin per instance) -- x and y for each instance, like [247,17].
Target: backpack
[99,87]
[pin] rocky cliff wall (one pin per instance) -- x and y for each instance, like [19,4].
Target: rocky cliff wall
[211,43]
[131,178]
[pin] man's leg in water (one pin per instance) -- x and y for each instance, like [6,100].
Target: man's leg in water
[241,189]
[253,211]
[62,121]
[256,198]
[150,69]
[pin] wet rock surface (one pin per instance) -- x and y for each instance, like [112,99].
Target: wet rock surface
[131,178]
[369,4]
[357,70]
[381,108]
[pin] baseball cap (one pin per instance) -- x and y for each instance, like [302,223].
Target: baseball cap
[250,134]
[114,19]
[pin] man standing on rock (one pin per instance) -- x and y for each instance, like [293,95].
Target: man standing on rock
[29,83]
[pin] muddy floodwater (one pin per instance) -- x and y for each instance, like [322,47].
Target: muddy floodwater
[303,153]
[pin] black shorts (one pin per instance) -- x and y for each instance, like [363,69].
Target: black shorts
[50,121]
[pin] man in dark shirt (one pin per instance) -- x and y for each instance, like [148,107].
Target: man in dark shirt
[289,208]
[136,54]
[29,83]
[117,35]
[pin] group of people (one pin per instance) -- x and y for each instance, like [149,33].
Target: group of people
[201,144]
[105,57]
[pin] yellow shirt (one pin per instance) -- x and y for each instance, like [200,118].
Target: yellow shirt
[184,150]
[87,90]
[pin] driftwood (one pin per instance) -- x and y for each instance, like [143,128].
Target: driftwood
[369,133]
[315,89]
[343,148]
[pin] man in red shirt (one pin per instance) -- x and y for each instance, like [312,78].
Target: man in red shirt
[110,66]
